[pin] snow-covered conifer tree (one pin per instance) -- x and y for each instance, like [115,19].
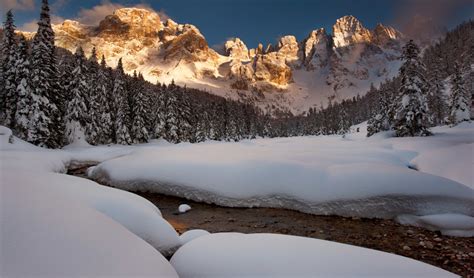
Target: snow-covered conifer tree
[344,122]
[171,115]
[158,113]
[104,116]
[77,115]
[94,124]
[459,108]
[23,90]
[380,120]
[411,113]
[7,73]
[436,98]
[46,122]
[122,133]
[139,131]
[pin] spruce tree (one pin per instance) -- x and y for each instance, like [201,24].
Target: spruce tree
[104,117]
[171,115]
[185,118]
[23,90]
[344,122]
[94,124]
[46,124]
[436,98]
[159,113]
[77,115]
[139,130]
[122,133]
[7,73]
[412,114]
[459,108]
[381,119]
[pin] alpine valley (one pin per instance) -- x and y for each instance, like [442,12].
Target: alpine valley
[289,76]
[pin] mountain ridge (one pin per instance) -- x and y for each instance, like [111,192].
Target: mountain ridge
[292,75]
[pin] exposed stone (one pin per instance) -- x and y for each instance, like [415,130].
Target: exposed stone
[348,30]
[236,49]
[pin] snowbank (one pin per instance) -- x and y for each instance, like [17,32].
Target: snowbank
[448,224]
[58,225]
[460,158]
[45,233]
[271,255]
[351,175]
[192,234]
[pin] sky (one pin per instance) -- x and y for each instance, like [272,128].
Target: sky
[256,21]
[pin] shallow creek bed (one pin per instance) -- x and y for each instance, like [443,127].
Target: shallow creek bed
[454,254]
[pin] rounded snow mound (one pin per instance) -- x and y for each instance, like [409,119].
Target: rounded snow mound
[193,234]
[272,255]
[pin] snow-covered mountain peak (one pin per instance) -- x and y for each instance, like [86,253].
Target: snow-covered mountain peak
[134,22]
[315,49]
[288,48]
[383,34]
[236,49]
[349,30]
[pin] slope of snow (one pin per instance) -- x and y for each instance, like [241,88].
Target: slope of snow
[59,225]
[46,233]
[351,175]
[271,255]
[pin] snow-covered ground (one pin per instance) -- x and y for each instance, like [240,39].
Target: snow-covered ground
[345,175]
[58,225]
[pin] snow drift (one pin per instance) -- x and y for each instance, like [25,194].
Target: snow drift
[270,255]
[58,225]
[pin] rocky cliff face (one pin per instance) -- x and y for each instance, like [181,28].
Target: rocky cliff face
[292,74]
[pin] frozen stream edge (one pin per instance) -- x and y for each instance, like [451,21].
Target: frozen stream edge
[388,206]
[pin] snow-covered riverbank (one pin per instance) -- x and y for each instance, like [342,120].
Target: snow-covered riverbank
[54,224]
[349,176]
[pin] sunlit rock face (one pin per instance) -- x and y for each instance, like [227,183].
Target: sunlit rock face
[236,49]
[348,30]
[316,49]
[385,34]
[336,64]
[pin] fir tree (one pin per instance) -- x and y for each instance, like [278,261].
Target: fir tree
[23,90]
[159,113]
[122,134]
[46,124]
[102,91]
[436,99]
[381,120]
[185,115]
[459,108]
[171,115]
[94,124]
[344,123]
[139,131]
[7,73]
[77,115]
[412,114]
